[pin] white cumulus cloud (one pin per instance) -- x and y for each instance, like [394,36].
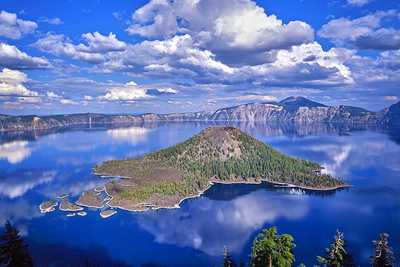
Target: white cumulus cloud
[97,45]
[364,32]
[14,28]
[219,26]
[12,57]
[12,83]
[128,92]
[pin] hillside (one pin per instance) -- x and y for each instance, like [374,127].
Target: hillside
[291,109]
[217,154]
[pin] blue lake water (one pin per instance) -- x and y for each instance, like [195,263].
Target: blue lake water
[35,167]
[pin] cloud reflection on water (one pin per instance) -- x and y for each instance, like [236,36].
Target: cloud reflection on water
[15,152]
[17,185]
[233,222]
[132,135]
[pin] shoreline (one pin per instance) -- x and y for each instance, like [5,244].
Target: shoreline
[212,182]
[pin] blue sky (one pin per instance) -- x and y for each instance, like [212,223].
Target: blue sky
[189,55]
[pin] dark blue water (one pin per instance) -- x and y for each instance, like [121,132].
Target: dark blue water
[40,166]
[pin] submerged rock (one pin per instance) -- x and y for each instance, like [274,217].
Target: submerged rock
[82,213]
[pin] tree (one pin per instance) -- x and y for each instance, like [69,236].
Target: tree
[383,254]
[228,261]
[271,249]
[13,249]
[336,254]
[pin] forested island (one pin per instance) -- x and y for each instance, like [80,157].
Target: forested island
[164,178]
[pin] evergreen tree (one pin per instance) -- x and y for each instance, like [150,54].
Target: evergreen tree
[271,249]
[336,254]
[383,254]
[13,249]
[228,261]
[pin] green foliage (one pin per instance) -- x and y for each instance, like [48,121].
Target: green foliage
[383,253]
[271,249]
[13,250]
[336,253]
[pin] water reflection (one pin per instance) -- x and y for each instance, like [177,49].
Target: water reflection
[15,152]
[42,165]
[17,184]
[208,225]
[18,211]
[132,135]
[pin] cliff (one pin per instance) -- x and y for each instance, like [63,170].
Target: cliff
[291,109]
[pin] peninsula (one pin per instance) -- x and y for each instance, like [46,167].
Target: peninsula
[164,178]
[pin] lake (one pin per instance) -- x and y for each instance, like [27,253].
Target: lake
[35,167]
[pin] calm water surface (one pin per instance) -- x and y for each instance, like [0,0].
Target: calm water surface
[34,168]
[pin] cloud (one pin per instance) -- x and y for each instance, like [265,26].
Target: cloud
[12,83]
[380,72]
[14,28]
[118,15]
[220,26]
[52,95]
[66,101]
[180,57]
[12,57]
[15,152]
[391,98]
[365,32]
[358,3]
[177,55]
[128,92]
[306,64]
[97,45]
[248,97]
[53,21]
[162,91]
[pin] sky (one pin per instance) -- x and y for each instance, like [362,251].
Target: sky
[163,56]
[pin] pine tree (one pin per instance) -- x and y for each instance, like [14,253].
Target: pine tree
[383,254]
[336,254]
[228,261]
[13,249]
[271,249]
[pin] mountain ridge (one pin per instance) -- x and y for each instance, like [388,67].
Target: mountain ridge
[292,109]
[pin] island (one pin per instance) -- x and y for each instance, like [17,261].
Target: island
[164,178]
[66,205]
[48,206]
[91,199]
